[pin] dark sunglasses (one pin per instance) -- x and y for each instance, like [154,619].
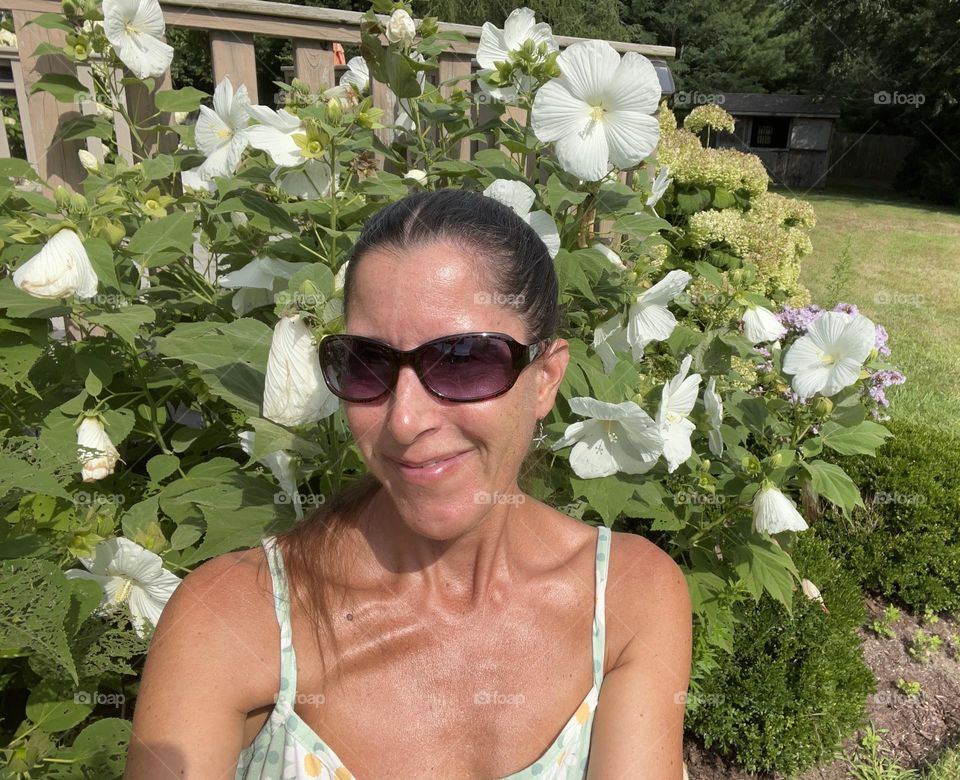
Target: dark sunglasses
[463,367]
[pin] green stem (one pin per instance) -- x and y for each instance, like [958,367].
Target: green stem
[151,403]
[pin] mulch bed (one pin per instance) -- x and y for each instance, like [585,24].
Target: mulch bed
[918,728]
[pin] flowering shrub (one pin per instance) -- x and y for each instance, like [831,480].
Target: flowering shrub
[178,412]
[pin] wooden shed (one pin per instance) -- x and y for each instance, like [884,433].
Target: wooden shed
[790,133]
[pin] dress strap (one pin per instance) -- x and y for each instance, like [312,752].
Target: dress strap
[604,536]
[281,603]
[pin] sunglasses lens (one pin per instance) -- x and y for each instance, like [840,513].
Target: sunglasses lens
[467,368]
[356,370]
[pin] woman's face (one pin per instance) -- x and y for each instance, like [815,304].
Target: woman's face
[406,299]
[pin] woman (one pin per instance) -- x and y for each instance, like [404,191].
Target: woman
[433,621]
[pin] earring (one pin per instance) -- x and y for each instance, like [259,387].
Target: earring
[541,436]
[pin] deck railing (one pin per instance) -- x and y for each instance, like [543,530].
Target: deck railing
[232,25]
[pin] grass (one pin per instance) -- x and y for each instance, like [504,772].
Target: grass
[902,261]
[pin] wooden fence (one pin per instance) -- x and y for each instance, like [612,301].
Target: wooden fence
[232,25]
[867,160]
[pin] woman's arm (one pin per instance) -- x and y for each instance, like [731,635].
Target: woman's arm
[638,725]
[189,715]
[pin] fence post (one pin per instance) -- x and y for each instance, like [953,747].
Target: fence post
[57,163]
[233,55]
[313,64]
[451,66]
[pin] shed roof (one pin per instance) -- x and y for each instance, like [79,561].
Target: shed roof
[757,104]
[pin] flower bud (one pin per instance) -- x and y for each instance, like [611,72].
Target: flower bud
[822,407]
[62,268]
[705,464]
[400,28]
[61,197]
[334,111]
[776,459]
[96,453]
[69,7]
[415,176]
[88,161]
[750,464]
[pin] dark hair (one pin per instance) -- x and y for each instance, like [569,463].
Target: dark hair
[510,257]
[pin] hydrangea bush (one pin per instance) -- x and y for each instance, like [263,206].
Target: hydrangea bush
[164,402]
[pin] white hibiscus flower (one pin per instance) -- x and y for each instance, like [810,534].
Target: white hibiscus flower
[760,324]
[520,198]
[134,29]
[713,405]
[830,355]
[617,437]
[649,318]
[61,269]
[774,513]
[131,575]
[598,113]
[677,400]
[221,132]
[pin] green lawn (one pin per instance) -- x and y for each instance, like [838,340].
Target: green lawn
[904,273]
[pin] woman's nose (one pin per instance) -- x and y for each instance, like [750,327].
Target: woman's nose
[410,406]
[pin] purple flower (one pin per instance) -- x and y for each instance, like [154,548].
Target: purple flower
[881,343]
[791,395]
[798,320]
[849,308]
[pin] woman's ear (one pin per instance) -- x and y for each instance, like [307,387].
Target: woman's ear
[551,368]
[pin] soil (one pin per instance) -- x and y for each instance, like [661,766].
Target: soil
[918,728]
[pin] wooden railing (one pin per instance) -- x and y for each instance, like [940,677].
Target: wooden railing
[231,25]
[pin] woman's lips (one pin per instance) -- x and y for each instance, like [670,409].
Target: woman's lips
[426,474]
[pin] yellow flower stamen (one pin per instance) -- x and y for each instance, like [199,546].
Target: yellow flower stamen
[124,593]
[827,359]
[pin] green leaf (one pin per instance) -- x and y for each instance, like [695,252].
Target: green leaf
[559,195]
[17,303]
[834,484]
[641,224]
[101,258]
[171,232]
[764,566]
[710,273]
[231,357]
[100,750]
[159,467]
[496,163]
[605,494]
[52,20]
[570,274]
[34,600]
[186,99]
[64,87]
[81,127]
[52,712]
[159,167]
[271,437]
[862,439]
[15,167]
[692,201]
[126,322]
[262,214]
